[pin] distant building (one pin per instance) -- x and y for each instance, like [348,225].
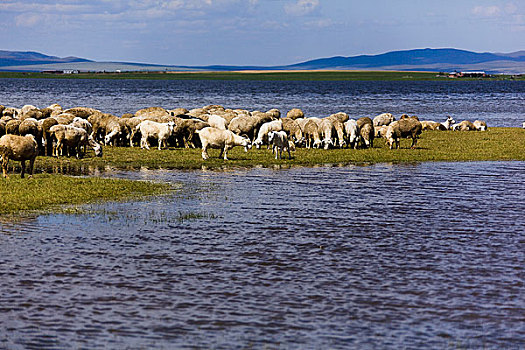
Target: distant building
[478,74]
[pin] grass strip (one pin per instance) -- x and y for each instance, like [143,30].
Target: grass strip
[45,192]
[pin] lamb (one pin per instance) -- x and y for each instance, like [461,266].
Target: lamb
[222,139]
[73,139]
[480,125]
[383,119]
[352,132]
[409,127]
[19,148]
[160,131]
[262,136]
[279,142]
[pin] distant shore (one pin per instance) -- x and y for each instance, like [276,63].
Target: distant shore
[276,75]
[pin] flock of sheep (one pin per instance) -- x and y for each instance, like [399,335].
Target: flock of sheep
[53,131]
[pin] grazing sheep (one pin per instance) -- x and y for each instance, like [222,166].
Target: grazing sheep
[185,131]
[12,127]
[295,113]
[176,111]
[480,125]
[2,127]
[160,131]
[339,116]
[217,121]
[383,119]
[47,138]
[73,139]
[274,113]
[380,131]
[152,112]
[81,112]
[221,139]
[352,133]
[326,127]
[262,136]
[293,129]
[279,142]
[82,123]
[366,131]
[523,125]
[19,148]
[312,135]
[31,126]
[407,127]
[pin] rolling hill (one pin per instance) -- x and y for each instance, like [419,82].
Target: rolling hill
[446,59]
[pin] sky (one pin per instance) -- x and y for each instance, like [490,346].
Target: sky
[255,32]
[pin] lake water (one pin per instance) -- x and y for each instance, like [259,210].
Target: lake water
[500,103]
[422,255]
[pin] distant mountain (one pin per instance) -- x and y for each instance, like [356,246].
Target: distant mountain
[23,58]
[408,60]
[413,58]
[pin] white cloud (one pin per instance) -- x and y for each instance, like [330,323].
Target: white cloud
[486,11]
[301,7]
[27,20]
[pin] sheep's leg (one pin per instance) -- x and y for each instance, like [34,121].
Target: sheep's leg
[5,162]
[23,164]
[204,152]
[289,154]
[225,153]
[31,166]
[160,144]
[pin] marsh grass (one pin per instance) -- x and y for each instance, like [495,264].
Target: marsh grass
[45,192]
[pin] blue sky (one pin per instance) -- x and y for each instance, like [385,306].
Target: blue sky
[255,32]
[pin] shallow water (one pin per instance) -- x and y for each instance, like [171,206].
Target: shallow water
[412,256]
[499,103]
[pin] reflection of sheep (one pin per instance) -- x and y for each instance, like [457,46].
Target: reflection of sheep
[19,148]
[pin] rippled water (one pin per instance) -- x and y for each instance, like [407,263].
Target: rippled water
[500,103]
[409,256]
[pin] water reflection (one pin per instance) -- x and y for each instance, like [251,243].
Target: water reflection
[423,255]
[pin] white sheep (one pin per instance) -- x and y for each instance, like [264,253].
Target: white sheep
[217,121]
[262,136]
[72,137]
[160,131]
[383,119]
[279,142]
[352,132]
[222,139]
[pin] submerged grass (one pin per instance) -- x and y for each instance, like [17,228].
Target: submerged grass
[45,192]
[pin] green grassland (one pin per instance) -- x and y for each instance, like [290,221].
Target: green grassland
[261,75]
[47,189]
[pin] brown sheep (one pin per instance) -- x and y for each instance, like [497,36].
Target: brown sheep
[295,113]
[292,129]
[366,131]
[19,148]
[11,127]
[81,112]
[47,139]
[406,127]
[465,125]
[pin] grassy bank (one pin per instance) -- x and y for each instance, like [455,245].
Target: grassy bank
[265,76]
[493,145]
[45,192]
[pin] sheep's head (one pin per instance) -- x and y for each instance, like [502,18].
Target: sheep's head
[317,143]
[327,143]
[171,126]
[246,143]
[271,135]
